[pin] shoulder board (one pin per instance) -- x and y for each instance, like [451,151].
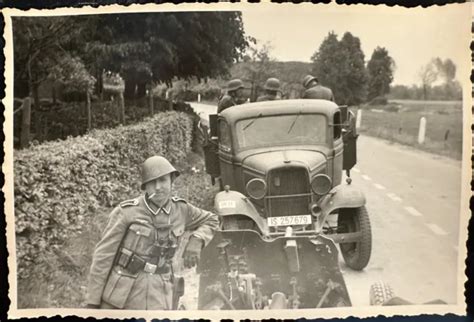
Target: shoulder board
[129,203]
[177,199]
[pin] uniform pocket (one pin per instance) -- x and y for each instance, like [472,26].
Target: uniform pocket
[118,287]
[138,238]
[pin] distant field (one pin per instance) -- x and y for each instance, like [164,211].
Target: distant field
[443,120]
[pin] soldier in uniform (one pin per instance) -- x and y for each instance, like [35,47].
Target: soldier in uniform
[132,263]
[234,95]
[316,91]
[272,88]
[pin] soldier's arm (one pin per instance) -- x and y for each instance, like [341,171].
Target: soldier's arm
[203,223]
[104,255]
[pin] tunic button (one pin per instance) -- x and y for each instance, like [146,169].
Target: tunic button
[120,272]
[138,233]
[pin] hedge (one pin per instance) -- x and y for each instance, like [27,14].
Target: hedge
[60,184]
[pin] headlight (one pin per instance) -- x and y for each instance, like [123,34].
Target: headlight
[321,184]
[256,188]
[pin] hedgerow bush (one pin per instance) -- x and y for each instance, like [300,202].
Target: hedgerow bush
[61,184]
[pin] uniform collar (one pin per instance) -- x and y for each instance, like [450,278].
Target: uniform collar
[166,208]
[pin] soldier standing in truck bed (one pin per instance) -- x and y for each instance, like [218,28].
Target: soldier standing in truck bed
[316,91]
[132,263]
[233,96]
[272,88]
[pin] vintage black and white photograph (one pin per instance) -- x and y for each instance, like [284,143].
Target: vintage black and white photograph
[201,160]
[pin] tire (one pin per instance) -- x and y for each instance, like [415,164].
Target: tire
[357,254]
[380,293]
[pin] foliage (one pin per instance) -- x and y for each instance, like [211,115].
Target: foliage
[61,120]
[340,66]
[446,69]
[258,67]
[59,185]
[444,92]
[380,71]
[428,74]
[39,44]
[143,47]
[72,73]
[157,47]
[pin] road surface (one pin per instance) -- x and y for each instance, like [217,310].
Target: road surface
[413,199]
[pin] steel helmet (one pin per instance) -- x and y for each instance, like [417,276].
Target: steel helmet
[307,79]
[272,84]
[234,85]
[155,167]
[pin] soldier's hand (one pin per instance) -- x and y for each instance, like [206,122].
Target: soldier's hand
[192,252]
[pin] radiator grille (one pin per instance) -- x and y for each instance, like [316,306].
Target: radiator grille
[287,182]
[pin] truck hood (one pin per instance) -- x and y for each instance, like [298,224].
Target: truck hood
[262,161]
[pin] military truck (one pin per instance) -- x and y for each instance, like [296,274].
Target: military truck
[283,206]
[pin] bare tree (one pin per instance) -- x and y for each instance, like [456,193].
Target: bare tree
[428,74]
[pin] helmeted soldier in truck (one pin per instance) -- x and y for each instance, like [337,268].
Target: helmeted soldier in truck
[272,89]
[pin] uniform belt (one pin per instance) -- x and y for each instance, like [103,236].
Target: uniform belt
[134,264]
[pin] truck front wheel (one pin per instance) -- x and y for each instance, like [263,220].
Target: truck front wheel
[350,220]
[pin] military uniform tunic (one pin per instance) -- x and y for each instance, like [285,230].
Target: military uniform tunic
[136,226]
[225,102]
[319,92]
[267,97]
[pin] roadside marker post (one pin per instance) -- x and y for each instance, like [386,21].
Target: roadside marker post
[199,97]
[422,130]
[358,118]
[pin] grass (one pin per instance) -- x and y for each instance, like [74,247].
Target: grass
[443,125]
[62,281]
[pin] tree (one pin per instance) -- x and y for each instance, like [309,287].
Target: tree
[340,65]
[428,75]
[258,67]
[446,69]
[156,47]
[39,44]
[380,72]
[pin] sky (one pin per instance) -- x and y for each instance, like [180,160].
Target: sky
[411,36]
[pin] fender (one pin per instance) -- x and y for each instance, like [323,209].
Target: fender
[228,203]
[342,196]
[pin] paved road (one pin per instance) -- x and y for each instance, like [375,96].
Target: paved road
[413,200]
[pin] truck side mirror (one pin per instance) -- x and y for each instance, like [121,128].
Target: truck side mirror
[213,125]
[211,153]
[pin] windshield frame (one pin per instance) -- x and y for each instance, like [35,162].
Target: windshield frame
[258,117]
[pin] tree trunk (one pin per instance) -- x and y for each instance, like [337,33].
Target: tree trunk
[121,104]
[88,110]
[25,123]
[140,90]
[54,94]
[151,103]
[130,89]
[37,124]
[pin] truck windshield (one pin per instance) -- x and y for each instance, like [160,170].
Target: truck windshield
[295,129]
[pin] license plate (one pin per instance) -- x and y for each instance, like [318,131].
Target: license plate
[289,220]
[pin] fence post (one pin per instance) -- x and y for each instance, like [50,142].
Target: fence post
[88,110]
[25,123]
[358,118]
[422,130]
[121,104]
[150,103]
[199,97]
